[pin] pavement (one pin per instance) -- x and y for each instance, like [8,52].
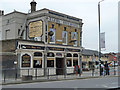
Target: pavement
[85,75]
[77,84]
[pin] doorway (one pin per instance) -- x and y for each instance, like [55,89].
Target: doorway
[59,66]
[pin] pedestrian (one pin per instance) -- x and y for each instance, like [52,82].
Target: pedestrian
[76,70]
[93,69]
[106,67]
[101,69]
[79,71]
[104,72]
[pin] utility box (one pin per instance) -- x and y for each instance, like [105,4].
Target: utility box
[27,77]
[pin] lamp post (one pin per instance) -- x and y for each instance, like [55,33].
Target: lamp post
[99,55]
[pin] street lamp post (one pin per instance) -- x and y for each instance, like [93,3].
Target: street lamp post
[99,55]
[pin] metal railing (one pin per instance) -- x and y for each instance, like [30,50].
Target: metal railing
[13,75]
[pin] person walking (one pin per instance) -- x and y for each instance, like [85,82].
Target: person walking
[101,69]
[93,69]
[106,67]
[79,71]
[76,69]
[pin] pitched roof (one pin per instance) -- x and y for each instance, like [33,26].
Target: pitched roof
[89,52]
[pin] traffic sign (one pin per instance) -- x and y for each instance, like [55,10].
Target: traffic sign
[114,58]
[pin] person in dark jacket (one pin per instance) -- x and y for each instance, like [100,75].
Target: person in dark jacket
[93,69]
[101,69]
[106,67]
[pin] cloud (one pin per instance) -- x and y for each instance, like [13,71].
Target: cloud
[84,9]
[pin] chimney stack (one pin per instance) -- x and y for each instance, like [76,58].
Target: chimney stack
[33,6]
[1,13]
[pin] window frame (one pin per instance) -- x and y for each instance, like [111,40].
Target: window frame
[49,61]
[64,37]
[51,29]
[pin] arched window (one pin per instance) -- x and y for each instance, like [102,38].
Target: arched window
[69,55]
[50,54]
[75,55]
[26,60]
[38,54]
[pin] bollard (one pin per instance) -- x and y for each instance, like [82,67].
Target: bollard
[16,74]
[36,73]
[92,72]
[65,72]
[114,72]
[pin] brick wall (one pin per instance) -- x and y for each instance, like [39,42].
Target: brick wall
[58,34]
[8,61]
[8,45]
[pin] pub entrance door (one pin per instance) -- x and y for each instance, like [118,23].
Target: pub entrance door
[59,66]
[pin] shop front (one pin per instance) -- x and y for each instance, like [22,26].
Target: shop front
[34,61]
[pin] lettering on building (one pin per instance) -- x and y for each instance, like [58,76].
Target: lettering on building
[63,22]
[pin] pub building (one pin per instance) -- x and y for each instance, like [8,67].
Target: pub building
[45,39]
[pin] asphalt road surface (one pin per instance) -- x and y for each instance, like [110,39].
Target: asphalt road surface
[104,82]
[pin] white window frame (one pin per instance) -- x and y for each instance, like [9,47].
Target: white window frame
[52,36]
[66,38]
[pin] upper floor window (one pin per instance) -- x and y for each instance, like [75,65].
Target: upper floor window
[74,38]
[7,34]
[52,35]
[64,37]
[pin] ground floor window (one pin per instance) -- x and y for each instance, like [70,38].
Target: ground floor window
[26,60]
[69,62]
[37,63]
[50,63]
[75,62]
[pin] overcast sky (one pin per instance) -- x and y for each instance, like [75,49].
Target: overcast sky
[87,10]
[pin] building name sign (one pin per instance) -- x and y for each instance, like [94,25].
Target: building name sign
[56,49]
[73,50]
[59,54]
[63,22]
[49,48]
[32,47]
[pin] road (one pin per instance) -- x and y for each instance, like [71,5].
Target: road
[103,82]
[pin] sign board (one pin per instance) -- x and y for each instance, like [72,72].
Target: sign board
[32,47]
[115,58]
[35,29]
[56,49]
[102,40]
[26,60]
[73,50]
[63,22]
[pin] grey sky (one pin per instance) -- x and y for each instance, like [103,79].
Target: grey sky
[84,9]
